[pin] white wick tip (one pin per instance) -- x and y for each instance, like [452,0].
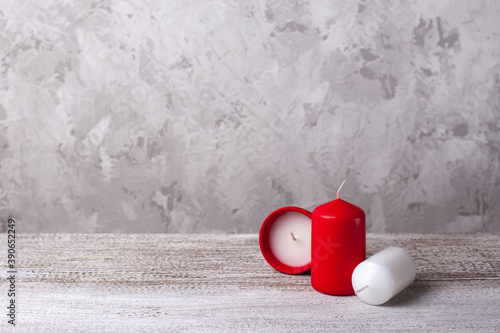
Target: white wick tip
[293,236]
[361,289]
[338,192]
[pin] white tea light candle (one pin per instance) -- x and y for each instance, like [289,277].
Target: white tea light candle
[380,277]
[290,239]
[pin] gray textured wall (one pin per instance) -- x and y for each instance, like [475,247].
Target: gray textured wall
[204,116]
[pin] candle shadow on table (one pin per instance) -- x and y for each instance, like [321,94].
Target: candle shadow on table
[410,296]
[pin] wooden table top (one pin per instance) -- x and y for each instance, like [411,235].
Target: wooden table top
[212,283]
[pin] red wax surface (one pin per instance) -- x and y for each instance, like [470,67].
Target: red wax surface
[265,247]
[338,245]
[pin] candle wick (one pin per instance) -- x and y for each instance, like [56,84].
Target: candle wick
[360,290]
[293,237]
[338,192]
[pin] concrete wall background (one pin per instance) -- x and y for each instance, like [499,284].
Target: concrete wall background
[189,116]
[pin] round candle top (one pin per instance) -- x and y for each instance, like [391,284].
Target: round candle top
[290,239]
[380,277]
[285,240]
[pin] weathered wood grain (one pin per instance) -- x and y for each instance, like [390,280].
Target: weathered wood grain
[158,282]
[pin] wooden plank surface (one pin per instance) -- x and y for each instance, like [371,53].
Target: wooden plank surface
[207,283]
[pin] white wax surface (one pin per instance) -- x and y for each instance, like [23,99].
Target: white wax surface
[380,277]
[294,253]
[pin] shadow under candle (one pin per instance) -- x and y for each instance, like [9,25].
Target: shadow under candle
[411,295]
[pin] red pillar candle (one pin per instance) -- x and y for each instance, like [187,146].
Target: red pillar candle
[338,245]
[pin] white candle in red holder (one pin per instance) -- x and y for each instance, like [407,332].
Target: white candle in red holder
[285,240]
[380,277]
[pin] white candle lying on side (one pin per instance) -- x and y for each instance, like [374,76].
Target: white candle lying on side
[290,239]
[380,277]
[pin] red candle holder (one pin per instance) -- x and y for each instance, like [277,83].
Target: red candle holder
[300,241]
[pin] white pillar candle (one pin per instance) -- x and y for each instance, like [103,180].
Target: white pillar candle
[380,277]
